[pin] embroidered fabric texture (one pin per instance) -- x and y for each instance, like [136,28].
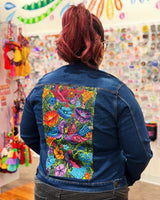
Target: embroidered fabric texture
[68,113]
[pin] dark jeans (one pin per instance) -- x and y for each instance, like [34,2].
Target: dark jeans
[47,192]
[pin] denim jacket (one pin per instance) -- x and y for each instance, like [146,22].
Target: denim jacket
[88,129]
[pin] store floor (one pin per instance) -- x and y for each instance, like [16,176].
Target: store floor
[23,188]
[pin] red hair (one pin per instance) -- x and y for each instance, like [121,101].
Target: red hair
[81,37]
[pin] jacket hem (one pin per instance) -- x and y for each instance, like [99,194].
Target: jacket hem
[82,187]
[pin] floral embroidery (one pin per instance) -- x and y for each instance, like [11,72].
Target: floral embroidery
[58,153]
[50,161]
[78,173]
[87,95]
[82,115]
[52,101]
[45,92]
[50,140]
[89,135]
[68,113]
[60,170]
[87,176]
[55,133]
[65,112]
[71,93]
[51,118]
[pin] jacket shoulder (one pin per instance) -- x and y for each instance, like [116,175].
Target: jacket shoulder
[110,82]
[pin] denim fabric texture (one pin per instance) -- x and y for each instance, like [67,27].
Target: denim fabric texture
[47,192]
[121,145]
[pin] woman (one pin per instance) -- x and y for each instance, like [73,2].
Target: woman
[85,124]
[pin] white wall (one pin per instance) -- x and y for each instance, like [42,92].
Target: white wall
[133,13]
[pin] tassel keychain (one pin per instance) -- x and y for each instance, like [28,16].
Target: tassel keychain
[26,157]
[22,155]
[17,60]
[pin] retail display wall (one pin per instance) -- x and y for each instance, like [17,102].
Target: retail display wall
[13,150]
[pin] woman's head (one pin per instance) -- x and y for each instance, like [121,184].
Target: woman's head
[81,37]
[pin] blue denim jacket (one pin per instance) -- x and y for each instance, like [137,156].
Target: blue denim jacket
[88,129]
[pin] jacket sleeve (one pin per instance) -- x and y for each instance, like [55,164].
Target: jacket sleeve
[28,127]
[133,135]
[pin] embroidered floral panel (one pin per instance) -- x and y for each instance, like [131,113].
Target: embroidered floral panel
[68,113]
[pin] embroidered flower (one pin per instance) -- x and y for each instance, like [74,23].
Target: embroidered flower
[65,147]
[87,95]
[50,150]
[78,103]
[71,93]
[51,118]
[54,133]
[87,176]
[82,115]
[79,92]
[50,161]
[89,135]
[74,100]
[78,172]
[54,144]
[49,140]
[58,153]
[65,112]
[60,170]
[52,101]
[45,92]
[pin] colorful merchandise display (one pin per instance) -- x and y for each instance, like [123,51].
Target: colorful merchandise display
[15,68]
[16,54]
[13,150]
[133,55]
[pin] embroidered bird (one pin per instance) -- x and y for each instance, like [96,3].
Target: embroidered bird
[57,132]
[74,137]
[61,95]
[71,161]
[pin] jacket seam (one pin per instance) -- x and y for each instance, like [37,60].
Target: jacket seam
[135,124]
[42,84]
[116,100]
